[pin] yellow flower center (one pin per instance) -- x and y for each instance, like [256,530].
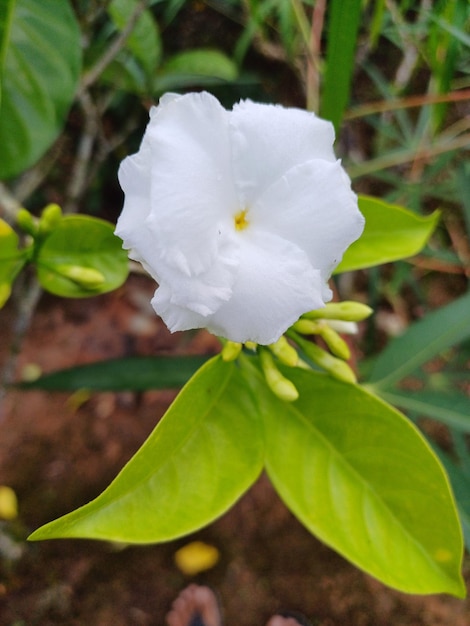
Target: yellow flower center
[240,220]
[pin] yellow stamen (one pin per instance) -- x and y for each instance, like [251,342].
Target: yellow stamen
[240,220]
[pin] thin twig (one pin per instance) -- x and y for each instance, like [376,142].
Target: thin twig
[9,205]
[313,62]
[114,48]
[384,106]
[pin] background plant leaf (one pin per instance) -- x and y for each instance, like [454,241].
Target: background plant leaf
[361,477]
[131,374]
[391,233]
[437,331]
[38,84]
[144,41]
[205,452]
[195,67]
[82,241]
[342,28]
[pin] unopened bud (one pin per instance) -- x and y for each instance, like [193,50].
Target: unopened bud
[337,368]
[307,327]
[27,222]
[281,386]
[343,327]
[251,345]
[50,218]
[86,277]
[348,310]
[286,353]
[231,350]
[335,343]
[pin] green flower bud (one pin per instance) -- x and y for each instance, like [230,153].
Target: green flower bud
[337,368]
[86,277]
[347,310]
[286,353]
[251,345]
[281,386]
[27,222]
[50,218]
[335,343]
[231,350]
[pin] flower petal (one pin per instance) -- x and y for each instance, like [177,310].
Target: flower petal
[275,284]
[313,206]
[183,301]
[192,193]
[268,140]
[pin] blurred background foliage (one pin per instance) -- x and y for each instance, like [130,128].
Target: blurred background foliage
[394,77]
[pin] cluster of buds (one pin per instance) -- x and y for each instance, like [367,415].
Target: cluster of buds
[326,323]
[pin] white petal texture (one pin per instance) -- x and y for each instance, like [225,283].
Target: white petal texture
[240,216]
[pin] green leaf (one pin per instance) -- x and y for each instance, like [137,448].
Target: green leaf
[133,374]
[41,72]
[342,29]
[144,40]
[391,233]
[452,409]
[362,478]
[461,485]
[85,243]
[12,259]
[423,340]
[195,67]
[205,452]
[6,16]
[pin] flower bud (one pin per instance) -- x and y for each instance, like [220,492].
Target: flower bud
[347,310]
[27,222]
[50,217]
[335,343]
[231,350]
[337,368]
[281,386]
[86,277]
[251,345]
[286,353]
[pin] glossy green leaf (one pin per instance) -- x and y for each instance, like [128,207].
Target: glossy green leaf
[85,243]
[205,452]
[195,67]
[342,30]
[460,481]
[391,233]
[132,374]
[12,260]
[42,68]
[6,17]
[361,477]
[422,341]
[452,409]
[144,40]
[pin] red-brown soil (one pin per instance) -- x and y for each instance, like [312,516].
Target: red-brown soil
[57,451]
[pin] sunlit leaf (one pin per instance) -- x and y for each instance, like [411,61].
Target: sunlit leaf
[391,233]
[363,479]
[81,242]
[42,67]
[201,457]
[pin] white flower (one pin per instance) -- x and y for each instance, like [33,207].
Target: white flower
[240,216]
